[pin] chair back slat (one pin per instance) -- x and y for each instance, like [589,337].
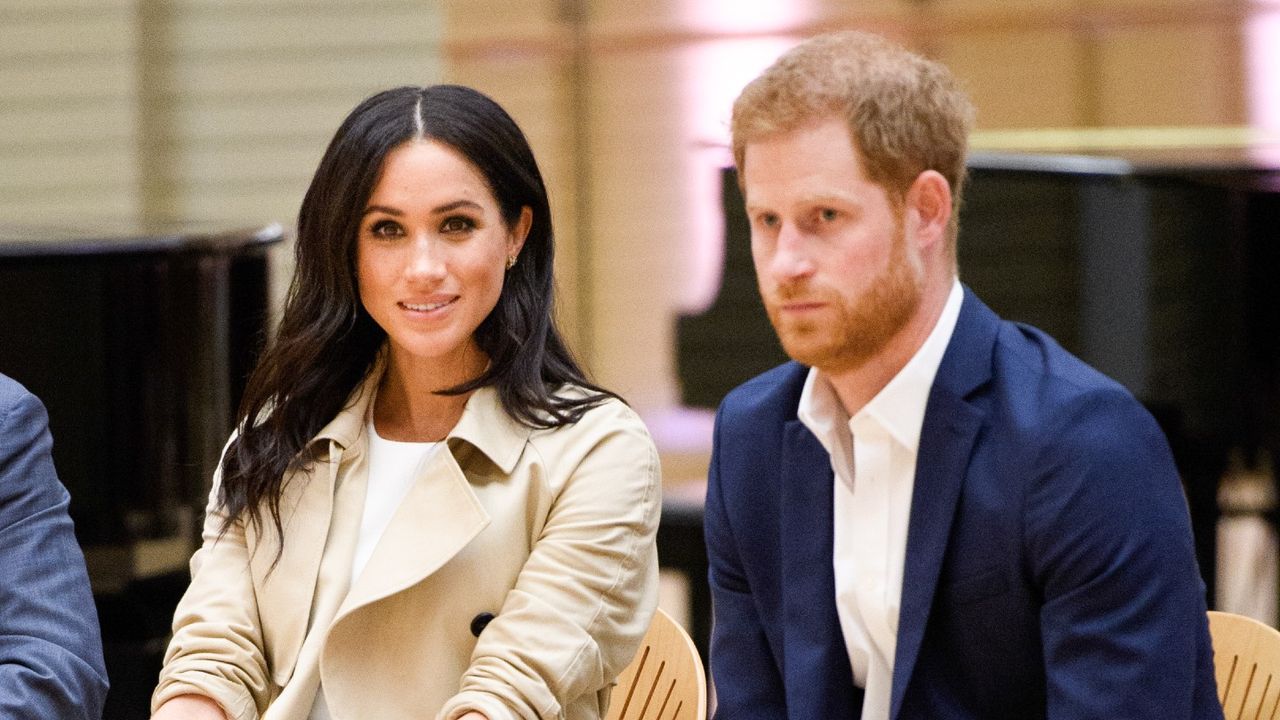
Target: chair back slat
[666,675]
[1246,660]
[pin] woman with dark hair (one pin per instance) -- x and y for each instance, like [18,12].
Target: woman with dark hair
[426,510]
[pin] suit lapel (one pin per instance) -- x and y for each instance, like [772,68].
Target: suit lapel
[951,426]
[946,441]
[819,680]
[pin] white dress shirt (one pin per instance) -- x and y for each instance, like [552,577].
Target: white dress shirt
[873,506]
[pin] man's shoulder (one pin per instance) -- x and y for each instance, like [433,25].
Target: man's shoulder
[1030,360]
[13,395]
[1048,397]
[774,393]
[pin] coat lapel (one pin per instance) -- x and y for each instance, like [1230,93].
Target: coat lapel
[819,679]
[437,518]
[286,580]
[440,514]
[947,437]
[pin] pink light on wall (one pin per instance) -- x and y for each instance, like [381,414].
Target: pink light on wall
[745,16]
[715,72]
[1262,43]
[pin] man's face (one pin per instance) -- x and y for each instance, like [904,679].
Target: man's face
[837,272]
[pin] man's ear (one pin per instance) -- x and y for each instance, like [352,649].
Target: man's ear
[929,207]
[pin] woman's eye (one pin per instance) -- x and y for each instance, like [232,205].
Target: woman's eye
[457,224]
[385,228]
[827,214]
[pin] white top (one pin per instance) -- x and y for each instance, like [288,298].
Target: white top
[871,514]
[393,465]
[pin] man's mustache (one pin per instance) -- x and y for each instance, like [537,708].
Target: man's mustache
[788,292]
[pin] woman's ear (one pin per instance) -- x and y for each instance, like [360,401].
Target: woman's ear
[929,205]
[520,231]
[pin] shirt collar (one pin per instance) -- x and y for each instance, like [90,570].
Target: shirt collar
[899,407]
[484,424]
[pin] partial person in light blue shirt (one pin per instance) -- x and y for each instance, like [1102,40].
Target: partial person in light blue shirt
[50,647]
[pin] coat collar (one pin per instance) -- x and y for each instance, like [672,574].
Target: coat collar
[484,424]
[433,523]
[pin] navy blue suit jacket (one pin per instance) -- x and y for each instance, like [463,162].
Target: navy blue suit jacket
[50,649]
[1049,569]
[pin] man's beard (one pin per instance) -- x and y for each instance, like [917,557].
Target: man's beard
[863,326]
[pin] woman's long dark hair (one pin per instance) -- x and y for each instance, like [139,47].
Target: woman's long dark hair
[327,343]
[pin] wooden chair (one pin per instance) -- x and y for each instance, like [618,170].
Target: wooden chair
[1246,660]
[665,681]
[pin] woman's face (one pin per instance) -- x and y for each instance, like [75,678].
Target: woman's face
[431,256]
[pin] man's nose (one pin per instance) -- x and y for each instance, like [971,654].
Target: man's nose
[792,257]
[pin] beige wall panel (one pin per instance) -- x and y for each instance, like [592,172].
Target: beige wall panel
[99,164]
[279,80]
[1162,8]
[311,117]
[251,94]
[673,21]
[650,20]
[313,34]
[1024,79]
[64,37]
[26,10]
[1002,7]
[1170,76]
[853,8]
[68,111]
[55,79]
[484,21]
[639,198]
[65,126]
[207,167]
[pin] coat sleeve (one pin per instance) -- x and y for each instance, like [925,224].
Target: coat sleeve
[1109,541]
[216,648]
[584,598]
[747,681]
[50,647]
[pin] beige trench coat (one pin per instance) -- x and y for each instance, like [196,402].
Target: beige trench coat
[552,531]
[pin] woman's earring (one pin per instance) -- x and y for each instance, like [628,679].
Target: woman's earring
[511,261]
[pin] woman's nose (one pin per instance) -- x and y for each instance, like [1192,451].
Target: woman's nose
[426,260]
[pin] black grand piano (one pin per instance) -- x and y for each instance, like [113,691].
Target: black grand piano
[1162,270]
[138,339]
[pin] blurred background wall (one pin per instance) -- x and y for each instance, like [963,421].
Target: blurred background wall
[212,110]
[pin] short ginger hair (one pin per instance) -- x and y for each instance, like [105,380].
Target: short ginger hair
[906,114]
